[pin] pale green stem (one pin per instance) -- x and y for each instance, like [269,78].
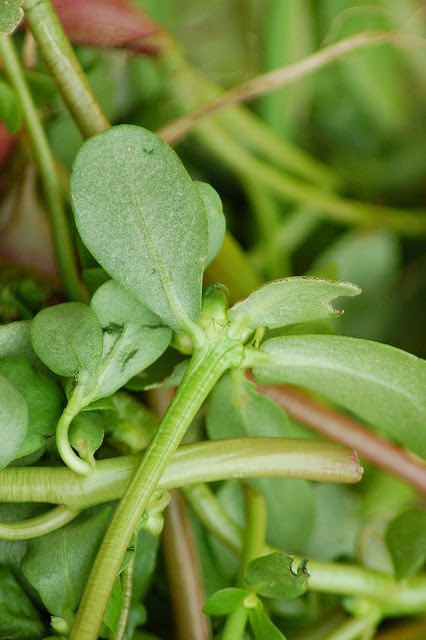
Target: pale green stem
[190,464]
[127,591]
[254,530]
[393,598]
[355,629]
[333,207]
[235,625]
[208,363]
[37,526]
[45,162]
[64,67]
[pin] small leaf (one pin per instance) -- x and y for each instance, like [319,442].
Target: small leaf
[141,216]
[43,397]
[19,619]
[406,540]
[136,424]
[272,576]
[383,385]
[57,565]
[133,336]
[289,301]
[11,15]
[215,219]
[262,626]
[68,338]
[86,434]
[225,601]
[13,421]
[15,341]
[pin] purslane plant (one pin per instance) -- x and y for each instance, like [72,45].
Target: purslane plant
[151,228]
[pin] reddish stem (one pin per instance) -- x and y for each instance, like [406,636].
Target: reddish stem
[343,429]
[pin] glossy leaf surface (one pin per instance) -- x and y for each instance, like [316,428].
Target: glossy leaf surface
[262,626]
[225,601]
[290,300]
[381,384]
[142,218]
[273,576]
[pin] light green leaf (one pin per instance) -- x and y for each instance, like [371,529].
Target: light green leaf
[288,301]
[13,421]
[15,341]
[273,576]
[406,540]
[19,619]
[133,336]
[216,221]
[86,434]
[141,216]
[43,397]
[11,15]
[68,338]
[381,384]
[225,601]
[57,565]
[262,626]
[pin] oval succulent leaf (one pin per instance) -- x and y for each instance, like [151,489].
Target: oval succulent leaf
[289,301]
[133,336]
[68,338]
[141,216]
[381,384]
[11,14]
[13,421]
[273,576]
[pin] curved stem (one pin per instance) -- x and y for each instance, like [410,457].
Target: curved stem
[37,526]
[206,367]
[64,249]
[71,459]
[64,66]
[190,464]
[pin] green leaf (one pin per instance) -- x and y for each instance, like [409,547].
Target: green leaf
[216,221]
[289,301]
[262,626]
[272,576]
[10,108]
[86,433]
[57,565]
[10,15]
[225,601]
[406,540]
[133,336]
[68,338]
[141,216]
[381,384]
[43,397]
[19,619]
[13,421]
[15,341]
[136,424]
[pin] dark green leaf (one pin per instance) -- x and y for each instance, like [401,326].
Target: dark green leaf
[13,421]
[68,338]
[272,576]
[141,216]
[57,565]
[10,110]
[133,336]
[262,626]
[19,619]
[406,540]
[113,610]
[215,219]
[10,15]
[381,384]
[288,301]
[86,433]
[44,399]
[225,601]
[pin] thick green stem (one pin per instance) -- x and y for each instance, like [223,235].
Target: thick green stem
[43,157]
[235,625]
[254,531]
[193,463]
[209,362]
[64,67]
[37,526]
